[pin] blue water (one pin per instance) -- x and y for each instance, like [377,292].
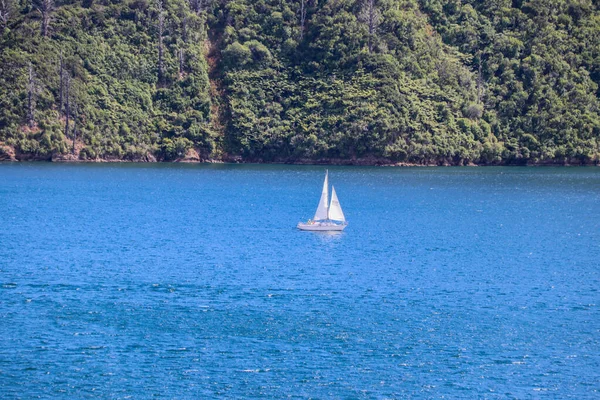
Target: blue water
[190,281]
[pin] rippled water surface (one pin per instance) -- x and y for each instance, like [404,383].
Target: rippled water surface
[190,281]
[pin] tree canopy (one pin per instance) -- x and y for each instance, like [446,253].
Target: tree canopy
[416,81]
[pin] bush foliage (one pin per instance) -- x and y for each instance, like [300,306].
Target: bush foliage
[421,81]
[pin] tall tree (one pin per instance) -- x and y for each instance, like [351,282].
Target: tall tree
[303,7]
[181,58]
[31,92]
[195,6]
[479,82]
[45,7]
[198,6]
[184,28]
[161,29]
[61,78]
[6,10]
[370,15]
[67,103]
[74,125]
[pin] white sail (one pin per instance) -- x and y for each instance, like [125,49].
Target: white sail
[322,209]
[335,210]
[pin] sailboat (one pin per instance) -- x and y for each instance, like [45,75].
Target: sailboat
[329,216]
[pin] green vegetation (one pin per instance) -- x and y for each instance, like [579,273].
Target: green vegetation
[418,81]
[106,55]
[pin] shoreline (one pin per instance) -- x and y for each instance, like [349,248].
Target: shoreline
[320,162]
[8,154]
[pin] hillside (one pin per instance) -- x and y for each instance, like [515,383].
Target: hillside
[373,81]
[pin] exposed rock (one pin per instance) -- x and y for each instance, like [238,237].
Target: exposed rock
[65,158]
[149,158]
[191,156]
[7,153]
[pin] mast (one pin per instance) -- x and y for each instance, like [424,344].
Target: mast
[330,203]
[323,208]
[327,191]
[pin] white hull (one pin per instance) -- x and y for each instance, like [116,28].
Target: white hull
[321,226]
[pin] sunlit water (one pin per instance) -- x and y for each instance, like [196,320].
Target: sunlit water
[191,281]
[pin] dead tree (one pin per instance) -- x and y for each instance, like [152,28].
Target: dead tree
[61,77]
[45,7]
[67,104]
[161,28]
[6,10]
[74,125]
[199,6]
[184,29]
[303,7]
[370,16]
[195,5]
[31,92]
[181,58]
[479,83]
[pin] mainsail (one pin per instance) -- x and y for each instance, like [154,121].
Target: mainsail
[329,216]
[335,210]
[322,211]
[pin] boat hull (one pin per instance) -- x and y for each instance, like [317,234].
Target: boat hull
[321,227]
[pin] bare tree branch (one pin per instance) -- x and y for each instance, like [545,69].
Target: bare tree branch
[370,15]
[45,7]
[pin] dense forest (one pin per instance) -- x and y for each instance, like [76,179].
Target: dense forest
[448,82]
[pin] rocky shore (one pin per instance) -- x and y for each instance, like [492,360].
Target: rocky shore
[8,153]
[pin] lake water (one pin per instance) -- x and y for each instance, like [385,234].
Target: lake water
[191,281]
